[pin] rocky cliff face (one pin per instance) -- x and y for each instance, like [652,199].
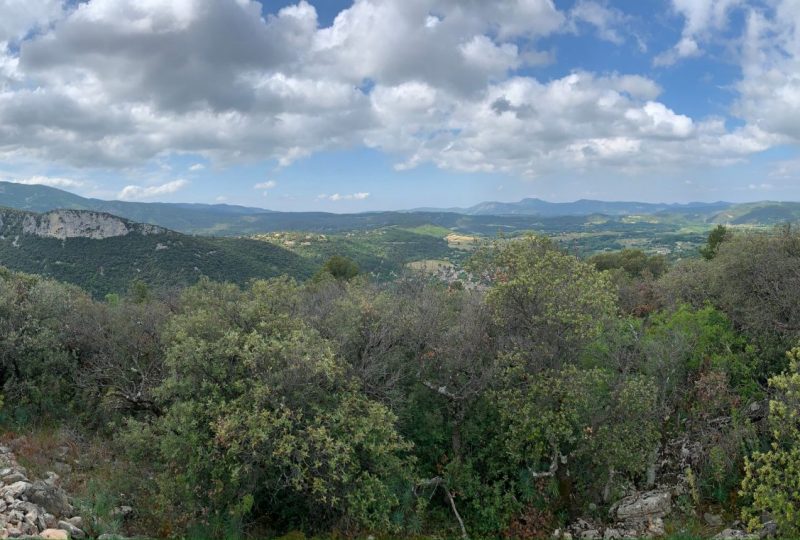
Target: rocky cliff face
[63,224]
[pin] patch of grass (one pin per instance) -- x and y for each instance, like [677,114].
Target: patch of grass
[430,230]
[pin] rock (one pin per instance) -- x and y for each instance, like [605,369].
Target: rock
[712,520]
[15,490]
[52,478]
[51,498]
[54,534]
[14,476]
[735,534]
[122,512]
[28,529]
[612,534]
[768,530]
[655,527]
[591,534]
[76,521]
[643,506]
[74,532]
[13,532]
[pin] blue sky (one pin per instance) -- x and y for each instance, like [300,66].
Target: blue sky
[392,104]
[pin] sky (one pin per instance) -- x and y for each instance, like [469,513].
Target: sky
[349,106]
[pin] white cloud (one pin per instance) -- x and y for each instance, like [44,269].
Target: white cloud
[266,186]
[269,184]
[702,19]
[19,17]
[197,167]
[125,83]
[769,91]
[51,181]
[606,20]
[349,197]
[760,187]
[130,193]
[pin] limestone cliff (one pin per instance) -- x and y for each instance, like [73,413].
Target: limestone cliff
[63,224]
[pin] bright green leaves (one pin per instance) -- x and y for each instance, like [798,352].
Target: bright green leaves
[772,478]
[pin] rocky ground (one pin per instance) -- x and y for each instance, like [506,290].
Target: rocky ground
[38,508]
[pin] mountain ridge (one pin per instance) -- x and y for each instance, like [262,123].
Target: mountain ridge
[488,217]
[580,207]
[103,253]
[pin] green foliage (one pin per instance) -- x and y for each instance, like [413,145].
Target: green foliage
[581,420]
[374,407]
[340,268]
[707,340]
[547,302]
[772,477]
[635,262]
[162,261]
[718,235]
[256,406]
[37,370]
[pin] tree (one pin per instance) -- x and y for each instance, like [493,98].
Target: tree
[635,262]
[716,237]
[259,416]
[756,281]
[341,268]
[37,368]
[584,427]
[547,304]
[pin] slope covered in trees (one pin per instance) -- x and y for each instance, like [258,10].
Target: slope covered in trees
[104,254]
[547,395]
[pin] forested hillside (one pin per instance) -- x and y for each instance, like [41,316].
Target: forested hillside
[614,397]
[105,254]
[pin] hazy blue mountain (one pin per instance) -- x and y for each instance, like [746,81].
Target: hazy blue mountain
[583,207]
[487,218]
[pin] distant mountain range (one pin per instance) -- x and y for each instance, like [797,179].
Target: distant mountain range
[483,218]
[583,207]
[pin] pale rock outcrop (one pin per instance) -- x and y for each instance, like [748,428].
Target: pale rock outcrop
[63,224]
[38,508]
[54,534]
[651,504]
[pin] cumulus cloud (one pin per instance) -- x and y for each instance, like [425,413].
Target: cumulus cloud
[133,192]
[19,17]
[121,83]
[701,18]
[769,91]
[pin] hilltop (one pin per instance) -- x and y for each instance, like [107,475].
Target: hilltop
[104,253]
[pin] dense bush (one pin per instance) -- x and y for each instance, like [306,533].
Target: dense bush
[541,395]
